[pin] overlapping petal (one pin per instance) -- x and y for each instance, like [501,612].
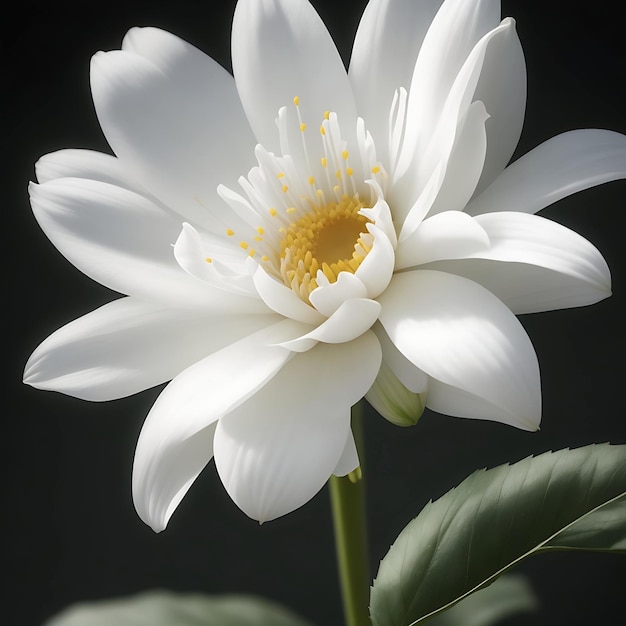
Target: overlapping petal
[129,345]
[451,41]
[102,230]
[172,115]
[533,264]
[176,439]
[459,333]
[276,451]
[386,46]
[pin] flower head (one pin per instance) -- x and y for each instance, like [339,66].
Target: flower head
[296,237]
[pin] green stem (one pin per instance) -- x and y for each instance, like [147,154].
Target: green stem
[347,495]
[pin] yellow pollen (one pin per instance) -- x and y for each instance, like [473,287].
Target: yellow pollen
[265,258]
[332,238]
[244,245]
[209,259]
[252,252]
[303,127]
[260,230]
[280,175]
[273,212]
[311,180]
[296,100]
[375,169]
[326,115]
[291,209]
[324,161]
[230,232]
[285,189]
[322,129]
[258,238]
[345,154]
[349,171]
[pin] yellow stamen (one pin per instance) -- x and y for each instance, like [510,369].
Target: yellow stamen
[209,259]
[230,232]
[243,244]
[331,237]
[296,100]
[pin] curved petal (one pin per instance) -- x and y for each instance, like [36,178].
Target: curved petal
[89,164]
[180,134]
[216,263]
[282,50]
[386,46]
[423,151]
[276,451]
[557,168]
[129,345]
[534,264]
[101,229]
[447,235]
[283,300]
[175,441]
[328,297]
[454,179]
[502,89]
[450,41]
[459,333]
[376,270]
[349,321]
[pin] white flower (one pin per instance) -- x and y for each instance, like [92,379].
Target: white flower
[331,222]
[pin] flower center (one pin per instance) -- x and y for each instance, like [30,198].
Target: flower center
[332,238]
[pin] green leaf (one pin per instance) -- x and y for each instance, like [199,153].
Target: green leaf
[163,608]
[507,596]
[571,499]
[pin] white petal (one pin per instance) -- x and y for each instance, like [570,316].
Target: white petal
[349,459]
[281,49]
[453,181]
[421,154]
[218,264]
[175,441]
[456,29]
[376,268]
[180,134]
[448,235]
[276,451]
[128,345]
[502,88]
[328,297]
[283,300]
[450,400]
[557,168]
[465,162]
[120,239]
[534,264]
[459,333]
[88,164]
[406,372]
[387,42]
[349,321]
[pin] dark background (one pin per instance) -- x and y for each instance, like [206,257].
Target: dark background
[70,532]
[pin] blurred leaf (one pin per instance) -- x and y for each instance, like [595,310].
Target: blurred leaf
[571,499]
[507,596]
[163,608]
